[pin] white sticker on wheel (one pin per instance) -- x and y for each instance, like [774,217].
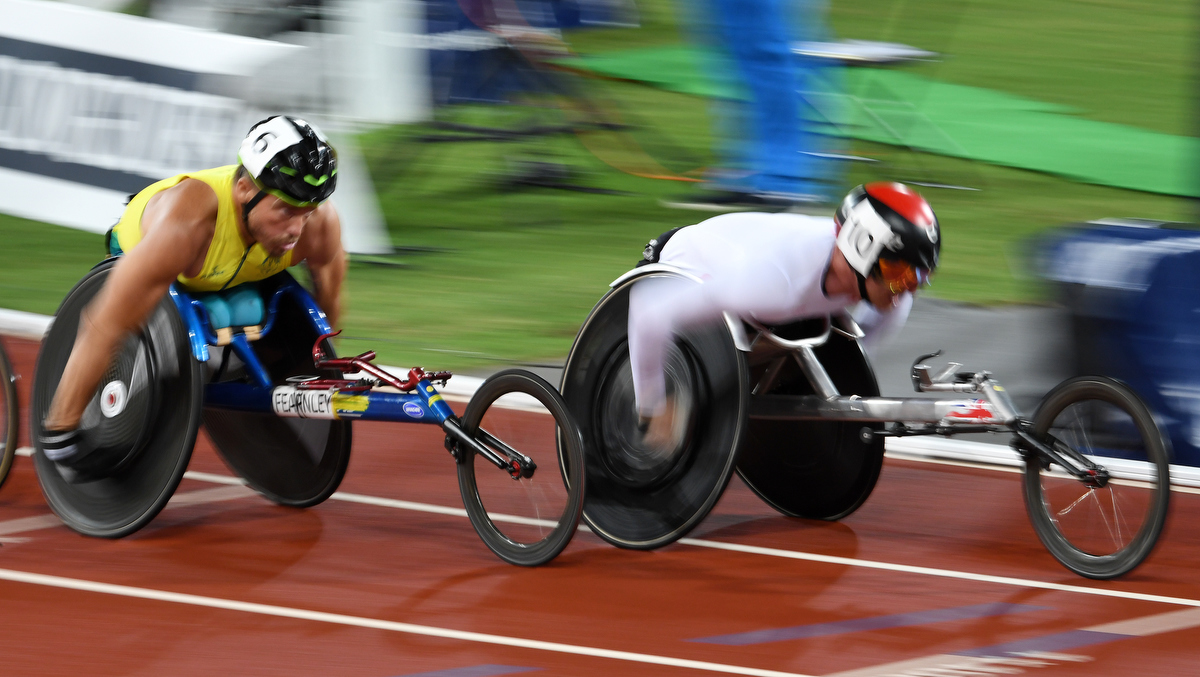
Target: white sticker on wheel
[295,403]
[113,398]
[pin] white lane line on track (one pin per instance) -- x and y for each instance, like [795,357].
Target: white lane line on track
[745,549]
[386,502]
[187,498]
[214,495]
[942,573]
[905,456]
[898,455]
[1171,621]
[1014,662]
[214,478]
[23,524]
[950,665]
[376,624]
[437,509]
[777,552]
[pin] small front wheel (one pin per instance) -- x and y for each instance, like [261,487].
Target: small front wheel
[1098,529]
[526,520]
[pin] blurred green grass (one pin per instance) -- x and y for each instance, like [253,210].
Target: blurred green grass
[491,272]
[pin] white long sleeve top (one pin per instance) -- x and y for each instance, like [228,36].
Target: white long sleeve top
[765,267]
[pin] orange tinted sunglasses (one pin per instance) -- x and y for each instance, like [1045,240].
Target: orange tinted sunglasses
[902,276]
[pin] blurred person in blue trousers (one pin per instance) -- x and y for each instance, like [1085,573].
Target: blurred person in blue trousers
[770,156]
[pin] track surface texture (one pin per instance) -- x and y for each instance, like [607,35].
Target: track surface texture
[939,574]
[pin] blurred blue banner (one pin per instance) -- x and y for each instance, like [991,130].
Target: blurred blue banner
[1133,291]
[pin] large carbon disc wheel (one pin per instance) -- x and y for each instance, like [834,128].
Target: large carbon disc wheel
[143,420]
[525,520]
[1099,531]
[813,469]
[297,462]
[9,414]
[640,496]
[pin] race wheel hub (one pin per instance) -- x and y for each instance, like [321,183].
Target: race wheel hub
[119,419]
[629,457]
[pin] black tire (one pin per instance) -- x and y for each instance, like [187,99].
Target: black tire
[1104,532]
[297,462]
[527,521]
[114,495]
[636,499]
[9,415]
[814,469]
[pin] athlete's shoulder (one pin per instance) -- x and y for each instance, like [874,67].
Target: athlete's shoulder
[191,195]
[805,220]
[770,219]
[803,229]
[188,209]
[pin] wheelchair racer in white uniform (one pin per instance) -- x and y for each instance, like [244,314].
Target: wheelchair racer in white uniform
[881,246]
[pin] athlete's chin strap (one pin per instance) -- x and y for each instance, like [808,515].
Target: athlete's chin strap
[250,205]
[862,288]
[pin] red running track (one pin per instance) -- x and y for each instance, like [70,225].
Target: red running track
[939,574]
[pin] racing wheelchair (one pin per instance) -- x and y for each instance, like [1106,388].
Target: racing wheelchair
[796,411]
[258,371]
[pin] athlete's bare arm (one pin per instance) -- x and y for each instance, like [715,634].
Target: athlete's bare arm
[177,227]
[321,249]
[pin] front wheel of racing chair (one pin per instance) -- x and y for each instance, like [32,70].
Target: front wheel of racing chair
[526,518]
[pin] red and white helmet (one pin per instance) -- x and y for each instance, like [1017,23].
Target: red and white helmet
[887,220]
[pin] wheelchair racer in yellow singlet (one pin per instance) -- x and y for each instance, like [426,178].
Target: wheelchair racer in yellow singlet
[209,231]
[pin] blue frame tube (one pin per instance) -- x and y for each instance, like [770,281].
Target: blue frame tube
[315,316]
[434,401]
[201,335]
[424,406]
[242,348]
[195,321]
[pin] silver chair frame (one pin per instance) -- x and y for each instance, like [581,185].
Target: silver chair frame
[936,416]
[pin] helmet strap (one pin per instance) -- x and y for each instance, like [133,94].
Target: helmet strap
[250,205]
[862,288]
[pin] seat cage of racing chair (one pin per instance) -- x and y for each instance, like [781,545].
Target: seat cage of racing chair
[201,334]
[801,347]
[732,322]
[827,403]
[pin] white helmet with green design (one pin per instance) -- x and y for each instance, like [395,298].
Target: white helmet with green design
[290,159]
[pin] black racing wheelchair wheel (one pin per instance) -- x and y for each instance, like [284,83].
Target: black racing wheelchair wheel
[526,520]
[143,419]
[9,415]
[297,462]
[1099,531]
[640,497]
[813,469]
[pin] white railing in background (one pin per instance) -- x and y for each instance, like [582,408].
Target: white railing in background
[95,105]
